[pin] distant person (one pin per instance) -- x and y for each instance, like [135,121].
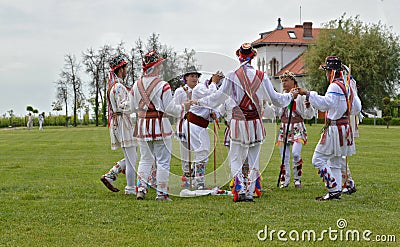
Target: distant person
[41,120]
[30,121]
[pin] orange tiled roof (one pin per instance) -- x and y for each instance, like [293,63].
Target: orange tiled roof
[282,36]
[296,66]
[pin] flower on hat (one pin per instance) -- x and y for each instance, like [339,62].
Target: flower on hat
[151,59]
[287,74]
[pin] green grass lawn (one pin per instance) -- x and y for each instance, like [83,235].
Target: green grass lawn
[51,195]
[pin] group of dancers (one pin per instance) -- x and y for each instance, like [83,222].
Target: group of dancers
[241,97]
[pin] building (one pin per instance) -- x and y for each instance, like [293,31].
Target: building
[283,49]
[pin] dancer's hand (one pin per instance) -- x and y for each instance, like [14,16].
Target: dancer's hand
[294,92]
[302,91]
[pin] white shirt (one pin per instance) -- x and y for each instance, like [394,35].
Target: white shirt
[162,100]
[334,101]
[231,87]
[200,91]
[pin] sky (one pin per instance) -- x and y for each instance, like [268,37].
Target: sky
[35,35]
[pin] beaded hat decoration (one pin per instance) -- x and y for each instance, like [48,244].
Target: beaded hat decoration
[151,59]
[246,52]
[287,74]
[116,62]
[332,63]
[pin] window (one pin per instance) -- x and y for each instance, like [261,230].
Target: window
[273,67]
[292,34]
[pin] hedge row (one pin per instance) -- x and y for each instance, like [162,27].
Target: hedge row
[48,121]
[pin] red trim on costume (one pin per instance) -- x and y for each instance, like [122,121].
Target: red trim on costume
[119,65]
[197,120]
[250,97]
[145,93]
[155,136]
[166,87]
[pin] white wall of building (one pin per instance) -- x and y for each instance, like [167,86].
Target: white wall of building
[284,54]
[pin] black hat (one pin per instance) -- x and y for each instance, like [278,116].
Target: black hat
[191,70]
[332,63]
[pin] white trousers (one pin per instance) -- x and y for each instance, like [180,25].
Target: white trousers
[130,172]
[296,155]
[184,156]
[331,173]
[237,156]
[345,170]
[160,152]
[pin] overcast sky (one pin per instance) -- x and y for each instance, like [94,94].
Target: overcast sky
[35,35]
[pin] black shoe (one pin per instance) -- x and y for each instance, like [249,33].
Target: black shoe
[330,196]
[349,190]
[108,183]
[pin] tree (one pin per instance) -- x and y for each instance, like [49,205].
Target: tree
[11,114]
[70,76]
[372,50]
[153,43]
[29,108]
[134,66]
[62,98]
[188,59]
[95,63]
[387,116]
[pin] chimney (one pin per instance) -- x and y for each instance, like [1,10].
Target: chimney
[307,30]
[279,27]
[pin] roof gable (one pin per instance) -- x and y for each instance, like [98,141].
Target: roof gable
[282,36]
[296,66]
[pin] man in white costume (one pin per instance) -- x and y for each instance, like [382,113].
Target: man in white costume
[297,134]
[349,186]
[120,123]
[199,117]
[339,102]
[152,98]
[181,95]
[248,88]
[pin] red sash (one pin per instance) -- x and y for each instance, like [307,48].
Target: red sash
[344,120]
[145,94]
[151,112]
[250,97]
